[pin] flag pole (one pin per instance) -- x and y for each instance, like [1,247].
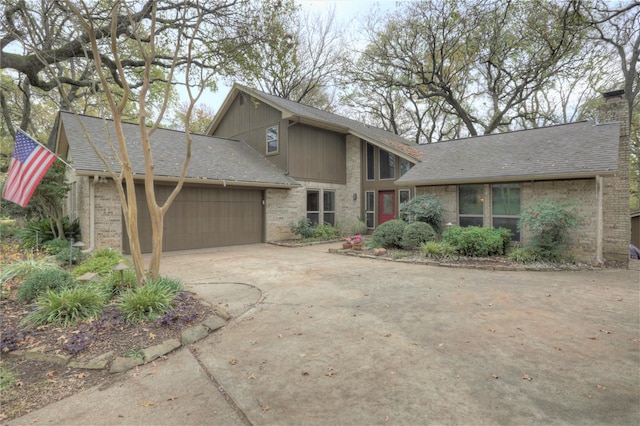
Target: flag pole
[36,141]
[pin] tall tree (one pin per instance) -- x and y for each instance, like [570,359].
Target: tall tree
[134,46]
[482,59]
[304,62]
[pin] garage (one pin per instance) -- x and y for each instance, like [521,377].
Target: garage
[203,217]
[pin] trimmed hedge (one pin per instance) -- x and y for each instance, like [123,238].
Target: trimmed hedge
[389,234]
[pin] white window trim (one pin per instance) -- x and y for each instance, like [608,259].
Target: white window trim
[370,211]
[277,129]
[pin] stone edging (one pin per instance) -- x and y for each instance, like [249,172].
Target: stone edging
[365,253]
[119,364]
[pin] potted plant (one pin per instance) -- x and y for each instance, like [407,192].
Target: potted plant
[357,242]
[348,243]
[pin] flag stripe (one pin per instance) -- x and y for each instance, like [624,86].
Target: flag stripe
[29,163]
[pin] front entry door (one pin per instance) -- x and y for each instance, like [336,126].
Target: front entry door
[387,206]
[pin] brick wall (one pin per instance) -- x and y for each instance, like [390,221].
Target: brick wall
[617,216]
[287,206]
[448,194]
[581,193]
[107,215]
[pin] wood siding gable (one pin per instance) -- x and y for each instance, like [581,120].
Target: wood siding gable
[248,119]
[317,154]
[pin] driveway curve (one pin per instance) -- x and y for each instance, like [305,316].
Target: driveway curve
[319,338]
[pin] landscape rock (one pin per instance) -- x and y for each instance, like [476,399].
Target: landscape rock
[98,363]
[214,322]
[37,355]
[121,364]
[164,348]
[193,334]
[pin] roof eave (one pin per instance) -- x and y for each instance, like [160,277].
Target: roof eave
[220,182]
[512,178]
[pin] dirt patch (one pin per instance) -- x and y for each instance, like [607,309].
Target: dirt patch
[34,384]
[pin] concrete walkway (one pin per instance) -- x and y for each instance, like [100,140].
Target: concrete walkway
[324,339]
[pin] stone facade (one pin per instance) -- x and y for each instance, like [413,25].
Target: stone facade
[287,206]
[617,215]
[107,216]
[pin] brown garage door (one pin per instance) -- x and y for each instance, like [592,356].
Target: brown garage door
[202,217]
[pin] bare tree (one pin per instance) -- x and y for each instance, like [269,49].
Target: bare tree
[305,63]
[132,47]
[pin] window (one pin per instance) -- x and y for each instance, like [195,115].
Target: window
[405,165]
[403,196]
[272,140]
[313,206]
[370,162]
[387,165]
[471,205]
[329,207]
[505,207]
[370,209]
[325,211]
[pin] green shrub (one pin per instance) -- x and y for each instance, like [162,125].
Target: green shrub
[550,224]
[43,281]
[66,306]
[358,227]
[116,283]
[325,232]
[389,234]
[99,262]
[147,302]
[77,256]
[423,208]
[22,269]
[45,231]
[56,246]
[475,241]
[8,228]
[304,228]
[417,233]
[438,250]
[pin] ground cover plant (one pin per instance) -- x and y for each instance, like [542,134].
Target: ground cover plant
[83,320]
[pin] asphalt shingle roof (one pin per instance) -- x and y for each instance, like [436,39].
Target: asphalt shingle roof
[361,130]
[212,158]
[580,149]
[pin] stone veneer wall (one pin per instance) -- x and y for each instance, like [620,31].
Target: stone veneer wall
[617,215]
[287,206]
[582,194]
[581,191]
[107,215]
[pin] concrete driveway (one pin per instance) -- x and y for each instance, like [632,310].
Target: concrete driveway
[321,339]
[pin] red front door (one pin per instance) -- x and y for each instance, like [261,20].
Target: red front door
[387,206]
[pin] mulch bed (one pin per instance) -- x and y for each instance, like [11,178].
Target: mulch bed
[38,383]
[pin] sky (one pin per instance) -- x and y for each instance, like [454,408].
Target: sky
[346,11]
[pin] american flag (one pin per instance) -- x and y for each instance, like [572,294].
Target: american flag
[29,162]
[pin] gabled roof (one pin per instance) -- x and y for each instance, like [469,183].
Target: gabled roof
[213,159]
[568,151]
[315,117]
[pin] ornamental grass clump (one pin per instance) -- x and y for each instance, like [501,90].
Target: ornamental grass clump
[66,306]
[21,269]
[149,301]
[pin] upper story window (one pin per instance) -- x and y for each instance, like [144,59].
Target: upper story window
[272,140]
[387,165]
[370,162]
[405,165]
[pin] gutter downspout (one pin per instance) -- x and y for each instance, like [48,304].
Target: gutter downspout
[92,213]
[599,219]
